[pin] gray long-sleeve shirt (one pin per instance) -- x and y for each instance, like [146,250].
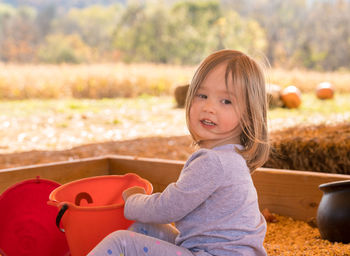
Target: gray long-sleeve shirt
[213,204]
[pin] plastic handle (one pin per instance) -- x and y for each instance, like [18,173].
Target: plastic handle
[81,196]
[60,215]
[64,208]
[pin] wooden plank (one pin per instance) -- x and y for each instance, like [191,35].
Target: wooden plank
[285,192]
[292,193]
[60,172]
[158,171]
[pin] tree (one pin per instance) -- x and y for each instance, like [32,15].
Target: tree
[143,34]
[59,48]
[44,20]
[94,24]
[236,32]
[18,34]
[185,33]
[282,21]
[301,33]
[159,34]
[327,47]
[194,21]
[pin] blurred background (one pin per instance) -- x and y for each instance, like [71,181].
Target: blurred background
[309,34]
[76,72]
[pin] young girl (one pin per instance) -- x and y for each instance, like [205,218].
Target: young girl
[214,203]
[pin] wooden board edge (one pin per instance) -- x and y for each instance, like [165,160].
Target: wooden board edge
[160,172]
[61,172]
[302,173]
[292,193]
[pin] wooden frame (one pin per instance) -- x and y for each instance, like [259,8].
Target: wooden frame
[285,192]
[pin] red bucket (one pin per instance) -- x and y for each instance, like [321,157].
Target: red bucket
[91,208]
[27,223]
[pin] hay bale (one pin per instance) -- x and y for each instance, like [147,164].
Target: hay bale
[318,148]
[273,92]
[180,95]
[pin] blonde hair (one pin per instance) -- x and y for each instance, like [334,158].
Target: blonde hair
[248,84]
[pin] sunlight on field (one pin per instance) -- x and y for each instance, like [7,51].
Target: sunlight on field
[128,101]
[63,124]
[307,81]
[312,111]
[122,80]
[90,81]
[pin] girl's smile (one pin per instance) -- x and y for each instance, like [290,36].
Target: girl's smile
[207,123]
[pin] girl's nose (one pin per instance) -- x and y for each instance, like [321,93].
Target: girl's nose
[209,106]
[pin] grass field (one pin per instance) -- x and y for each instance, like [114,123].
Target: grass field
[111,80]
[90,81]
[61,106]
[339,105]
[311,106]
[60,124]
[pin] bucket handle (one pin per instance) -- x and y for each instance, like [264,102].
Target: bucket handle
[81,196]
[63,209]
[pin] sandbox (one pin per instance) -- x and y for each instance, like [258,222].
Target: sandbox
[291,196]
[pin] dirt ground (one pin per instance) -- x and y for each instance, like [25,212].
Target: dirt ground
[175,148]
[50,131]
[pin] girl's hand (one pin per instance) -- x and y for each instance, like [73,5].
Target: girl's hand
[133,190]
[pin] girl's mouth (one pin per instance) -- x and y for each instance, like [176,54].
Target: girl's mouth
[207,122]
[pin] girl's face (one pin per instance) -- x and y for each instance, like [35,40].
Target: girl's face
[213,120]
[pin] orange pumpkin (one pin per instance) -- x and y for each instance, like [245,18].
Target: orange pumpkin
[291,97]
[325,91]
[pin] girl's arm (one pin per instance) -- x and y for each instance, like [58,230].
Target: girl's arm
[198,180]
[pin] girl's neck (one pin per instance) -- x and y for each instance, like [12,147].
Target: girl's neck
[209,144]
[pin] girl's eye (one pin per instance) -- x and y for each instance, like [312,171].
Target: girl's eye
[202,96]
[226,102]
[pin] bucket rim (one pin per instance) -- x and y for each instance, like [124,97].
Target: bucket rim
[25,182]
[85,208]
[54,202]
